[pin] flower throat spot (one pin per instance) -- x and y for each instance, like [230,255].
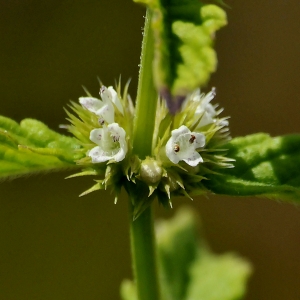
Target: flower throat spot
[101,121]
[115,138]
[102,89]
[176,148]
[191,140]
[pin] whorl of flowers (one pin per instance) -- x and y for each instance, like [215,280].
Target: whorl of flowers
[186,146]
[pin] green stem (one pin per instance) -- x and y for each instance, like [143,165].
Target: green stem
[142,229]
[144,255]
[146,97]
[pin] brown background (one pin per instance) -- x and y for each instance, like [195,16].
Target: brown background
[55,245]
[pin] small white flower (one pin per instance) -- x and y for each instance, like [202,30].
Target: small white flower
[183,144]
[103,109]
[109,94]
[205,109]
[111,141]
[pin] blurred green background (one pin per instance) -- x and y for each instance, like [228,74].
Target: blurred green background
[55,245]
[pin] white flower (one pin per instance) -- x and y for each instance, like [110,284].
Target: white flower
[205,110]
[105,108]
[111,141]
[183,144]
[109,94]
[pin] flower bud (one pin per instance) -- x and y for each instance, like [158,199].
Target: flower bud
[151,171]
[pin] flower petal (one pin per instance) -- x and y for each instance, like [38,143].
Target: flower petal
[181,130]
[97,155]
[107,112]
[116,100]
[183,144]
[120,155]
[205,120]
[96,135]
[90,103]
[205,111]
[171,154]
[105,94]
[199,141]
[194,159]
[111,141]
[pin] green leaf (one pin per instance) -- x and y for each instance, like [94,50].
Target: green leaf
[184,36]
[264,166]
[215,277]
[31,147]
[189,270]
[177,247]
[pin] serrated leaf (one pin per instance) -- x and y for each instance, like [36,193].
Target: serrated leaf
[218,277]
[264,166]
[184,33]
[31,147]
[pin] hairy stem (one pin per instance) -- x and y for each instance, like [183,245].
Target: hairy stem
[146,97]
[144,255]
[141,230]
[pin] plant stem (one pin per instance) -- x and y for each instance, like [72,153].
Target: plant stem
[142,229]
[143,255]
[146,97]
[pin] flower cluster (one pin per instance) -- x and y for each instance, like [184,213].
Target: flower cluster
[185,146]
[110,138]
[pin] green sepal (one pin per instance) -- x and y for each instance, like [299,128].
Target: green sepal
[138,193]
[89,172]
[170,183]
[264,166]
[98,186]
[184,36]
[31,147]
